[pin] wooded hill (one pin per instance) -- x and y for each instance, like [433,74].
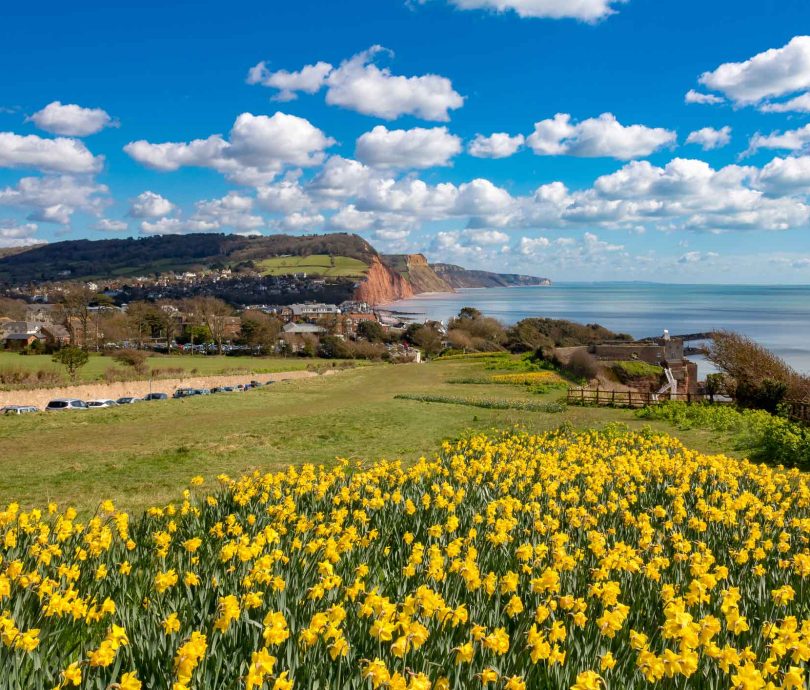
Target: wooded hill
[98,259]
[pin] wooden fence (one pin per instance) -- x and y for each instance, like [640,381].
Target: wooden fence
[595,396]
[797,411]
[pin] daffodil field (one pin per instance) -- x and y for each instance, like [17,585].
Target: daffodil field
[612,560]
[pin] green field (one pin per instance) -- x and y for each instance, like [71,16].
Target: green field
[144,454]
[315,264]
[204,365]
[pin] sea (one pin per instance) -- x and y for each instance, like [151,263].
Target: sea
[776,316]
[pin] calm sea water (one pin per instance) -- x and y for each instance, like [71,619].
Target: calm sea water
[777,317]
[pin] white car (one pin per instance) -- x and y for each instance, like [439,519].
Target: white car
[18,409]
[102,403]
[66,404]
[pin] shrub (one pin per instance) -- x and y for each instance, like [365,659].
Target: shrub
[136,359]
[14,377]
[768,437]
[582,365]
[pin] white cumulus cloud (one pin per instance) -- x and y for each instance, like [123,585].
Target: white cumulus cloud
[791,140]
[771,74]
[603,136]
[407,148]
[14,234]
[71,120]
[498,145]
[583,10]
[54,199]
[150,205]
[710,138]
[259,147]
[360,85]
[693,96]
[60,155]
[109,225]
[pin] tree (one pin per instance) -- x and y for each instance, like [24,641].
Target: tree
[13,309]
[425,336]
[140,318]
[260,330]
[371,331]
[76,303]
[72,358]
[759,376]
[166,317]
[213,313]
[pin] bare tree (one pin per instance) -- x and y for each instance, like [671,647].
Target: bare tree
[76,302]
[214,314]
[140,317]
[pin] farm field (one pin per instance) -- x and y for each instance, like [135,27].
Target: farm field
[143,454]
[315,264]
[207,365]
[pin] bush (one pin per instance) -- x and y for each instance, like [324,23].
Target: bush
[136,359]
[13,377]
[766,394]
[582,365]
[768,437]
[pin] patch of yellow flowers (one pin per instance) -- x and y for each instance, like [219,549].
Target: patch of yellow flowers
[510,563]
[529,378]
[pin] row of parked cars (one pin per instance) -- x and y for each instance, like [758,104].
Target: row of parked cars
[76,404]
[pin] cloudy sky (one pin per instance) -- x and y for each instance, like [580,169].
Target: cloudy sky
[578,139]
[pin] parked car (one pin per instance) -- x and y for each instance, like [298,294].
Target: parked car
[102,403]
[227,389]
[255,384]
[127,400]
[203,391]
[185,392]
[66,404]
[18,409]
[156,396]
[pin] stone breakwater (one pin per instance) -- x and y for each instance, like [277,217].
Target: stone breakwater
[138,389]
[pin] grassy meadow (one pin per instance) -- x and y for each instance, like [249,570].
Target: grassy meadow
[202,365]
[315,264]
[144,454]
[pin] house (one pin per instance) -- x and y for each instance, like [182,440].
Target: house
[295,336]
[351,321]
[303,329]
[309,311]
[665,351]
[18,335]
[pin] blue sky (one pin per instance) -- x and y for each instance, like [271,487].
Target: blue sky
[142,119]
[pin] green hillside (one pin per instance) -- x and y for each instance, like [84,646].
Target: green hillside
[313,265]
[98,259]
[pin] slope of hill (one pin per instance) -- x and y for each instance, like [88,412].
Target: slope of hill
[458,277]
[416,270]
[98,259]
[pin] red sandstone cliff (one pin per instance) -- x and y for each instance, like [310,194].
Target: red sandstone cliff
[382,285]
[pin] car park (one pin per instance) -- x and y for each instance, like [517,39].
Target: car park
[18,409]
[127,400]
[101,403]
[156,396]
[66,404]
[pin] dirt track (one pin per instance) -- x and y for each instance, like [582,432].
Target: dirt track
[138,389]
